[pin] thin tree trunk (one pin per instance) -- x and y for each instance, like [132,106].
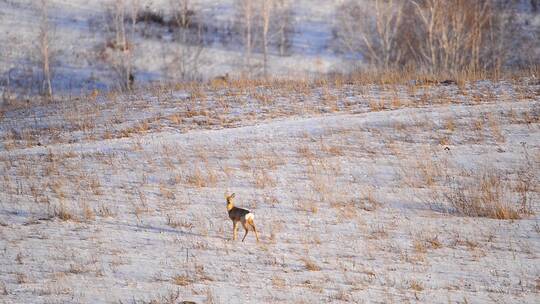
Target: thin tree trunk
[266,21]
[44,48]
[248,17]
[283,40]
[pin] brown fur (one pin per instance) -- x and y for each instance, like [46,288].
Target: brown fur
[239,215]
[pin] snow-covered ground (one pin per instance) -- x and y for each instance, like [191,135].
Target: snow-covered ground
[120,199]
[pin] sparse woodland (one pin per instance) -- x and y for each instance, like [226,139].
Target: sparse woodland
[128,43]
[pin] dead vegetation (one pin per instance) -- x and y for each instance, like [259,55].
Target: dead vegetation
[311,265]
[221,107]
[488,192]
[351,191]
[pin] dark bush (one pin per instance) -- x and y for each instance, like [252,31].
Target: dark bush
[149,16]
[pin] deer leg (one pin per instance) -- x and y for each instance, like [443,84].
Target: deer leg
[235,230]
[255,230]
[246,229]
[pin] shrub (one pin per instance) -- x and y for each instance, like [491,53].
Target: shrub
[482,195]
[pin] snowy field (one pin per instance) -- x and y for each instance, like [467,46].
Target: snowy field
[356,191]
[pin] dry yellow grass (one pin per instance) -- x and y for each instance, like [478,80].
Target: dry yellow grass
[485,195]
[262,179]
[311,265]
[182,280]
[61,211]
[416,285]
[200,179]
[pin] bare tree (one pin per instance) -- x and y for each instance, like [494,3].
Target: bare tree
[387,22]
[133,13]
[432,35]
[266,12]
[263,25]
[189,34]
[372,29]
[246,16]
[283,13]
[44,49]
[275,28]
[457,34]
[119,49]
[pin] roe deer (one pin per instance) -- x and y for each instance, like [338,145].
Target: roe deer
[240,215]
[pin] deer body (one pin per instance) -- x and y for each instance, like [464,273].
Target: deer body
[239,215]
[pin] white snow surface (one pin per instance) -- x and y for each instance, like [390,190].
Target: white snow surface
[339,198]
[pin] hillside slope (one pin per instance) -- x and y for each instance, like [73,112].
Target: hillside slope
[351,208]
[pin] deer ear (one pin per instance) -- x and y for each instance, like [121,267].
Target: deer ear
[233,195]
